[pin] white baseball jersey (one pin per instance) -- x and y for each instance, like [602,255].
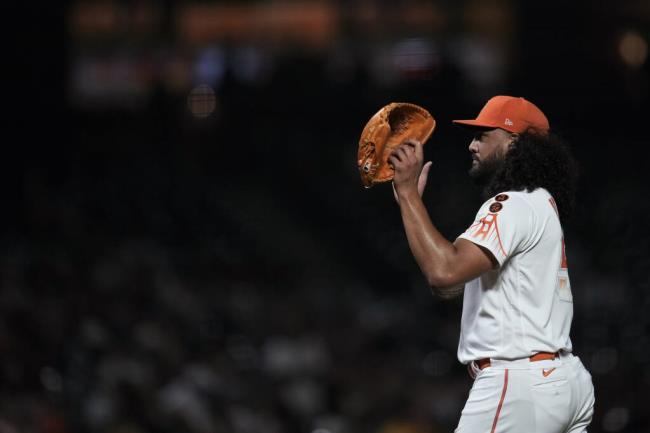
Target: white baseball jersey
[524,306]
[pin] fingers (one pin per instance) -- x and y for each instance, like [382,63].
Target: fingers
[417,146]
[403,153]
[411,142]
[407,153]
[392,161]
[419,152]
[398,156]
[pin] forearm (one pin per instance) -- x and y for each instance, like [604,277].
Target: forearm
[447,266]
[434,254]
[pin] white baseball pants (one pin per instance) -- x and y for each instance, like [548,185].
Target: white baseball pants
[550,396]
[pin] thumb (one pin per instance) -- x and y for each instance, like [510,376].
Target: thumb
[425,170]
[424,175]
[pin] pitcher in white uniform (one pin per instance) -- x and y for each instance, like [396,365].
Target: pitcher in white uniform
[511,266]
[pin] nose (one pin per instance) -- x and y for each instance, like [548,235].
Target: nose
[473,146]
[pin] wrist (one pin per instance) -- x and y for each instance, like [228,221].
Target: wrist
[407,193]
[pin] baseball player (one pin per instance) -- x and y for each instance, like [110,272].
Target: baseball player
[510,264]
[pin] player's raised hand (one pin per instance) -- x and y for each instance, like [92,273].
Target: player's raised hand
[410,174]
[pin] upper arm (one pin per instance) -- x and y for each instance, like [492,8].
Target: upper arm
[470,261]
[501,229]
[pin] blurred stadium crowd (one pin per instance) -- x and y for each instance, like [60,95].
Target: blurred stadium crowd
[206,260]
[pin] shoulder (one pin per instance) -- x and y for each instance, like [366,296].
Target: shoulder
[511,203]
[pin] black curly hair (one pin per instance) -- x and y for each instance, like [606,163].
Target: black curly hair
[535,161]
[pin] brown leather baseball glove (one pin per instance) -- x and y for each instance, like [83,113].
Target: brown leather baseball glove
[388,128]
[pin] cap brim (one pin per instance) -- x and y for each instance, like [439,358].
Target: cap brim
[473,124]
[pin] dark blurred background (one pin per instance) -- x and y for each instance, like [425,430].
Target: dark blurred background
[186,244]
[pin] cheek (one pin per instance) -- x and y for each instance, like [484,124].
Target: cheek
[492,150]
[485,150]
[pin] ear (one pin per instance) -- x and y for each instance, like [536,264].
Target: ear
[513,139]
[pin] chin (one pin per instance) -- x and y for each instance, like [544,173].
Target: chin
[479,177]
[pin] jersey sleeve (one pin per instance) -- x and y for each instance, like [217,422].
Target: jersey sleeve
[503,225]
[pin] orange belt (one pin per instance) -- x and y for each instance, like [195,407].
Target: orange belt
[541,356]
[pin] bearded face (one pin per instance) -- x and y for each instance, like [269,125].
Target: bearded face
[484,169]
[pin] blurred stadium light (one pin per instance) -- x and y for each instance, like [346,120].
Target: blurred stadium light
[633,49]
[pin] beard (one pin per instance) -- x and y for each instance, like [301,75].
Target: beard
[482,172]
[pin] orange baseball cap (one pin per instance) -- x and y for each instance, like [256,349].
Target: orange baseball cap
[510,113]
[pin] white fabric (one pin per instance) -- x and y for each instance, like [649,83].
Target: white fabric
[551,396]
[524,306]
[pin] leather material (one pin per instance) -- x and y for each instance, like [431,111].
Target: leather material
[387,129]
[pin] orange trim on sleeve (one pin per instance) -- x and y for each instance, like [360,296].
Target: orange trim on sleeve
[496,229]
[503,396]
[552,201]
[475,224]
[486,226]
[487,222]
